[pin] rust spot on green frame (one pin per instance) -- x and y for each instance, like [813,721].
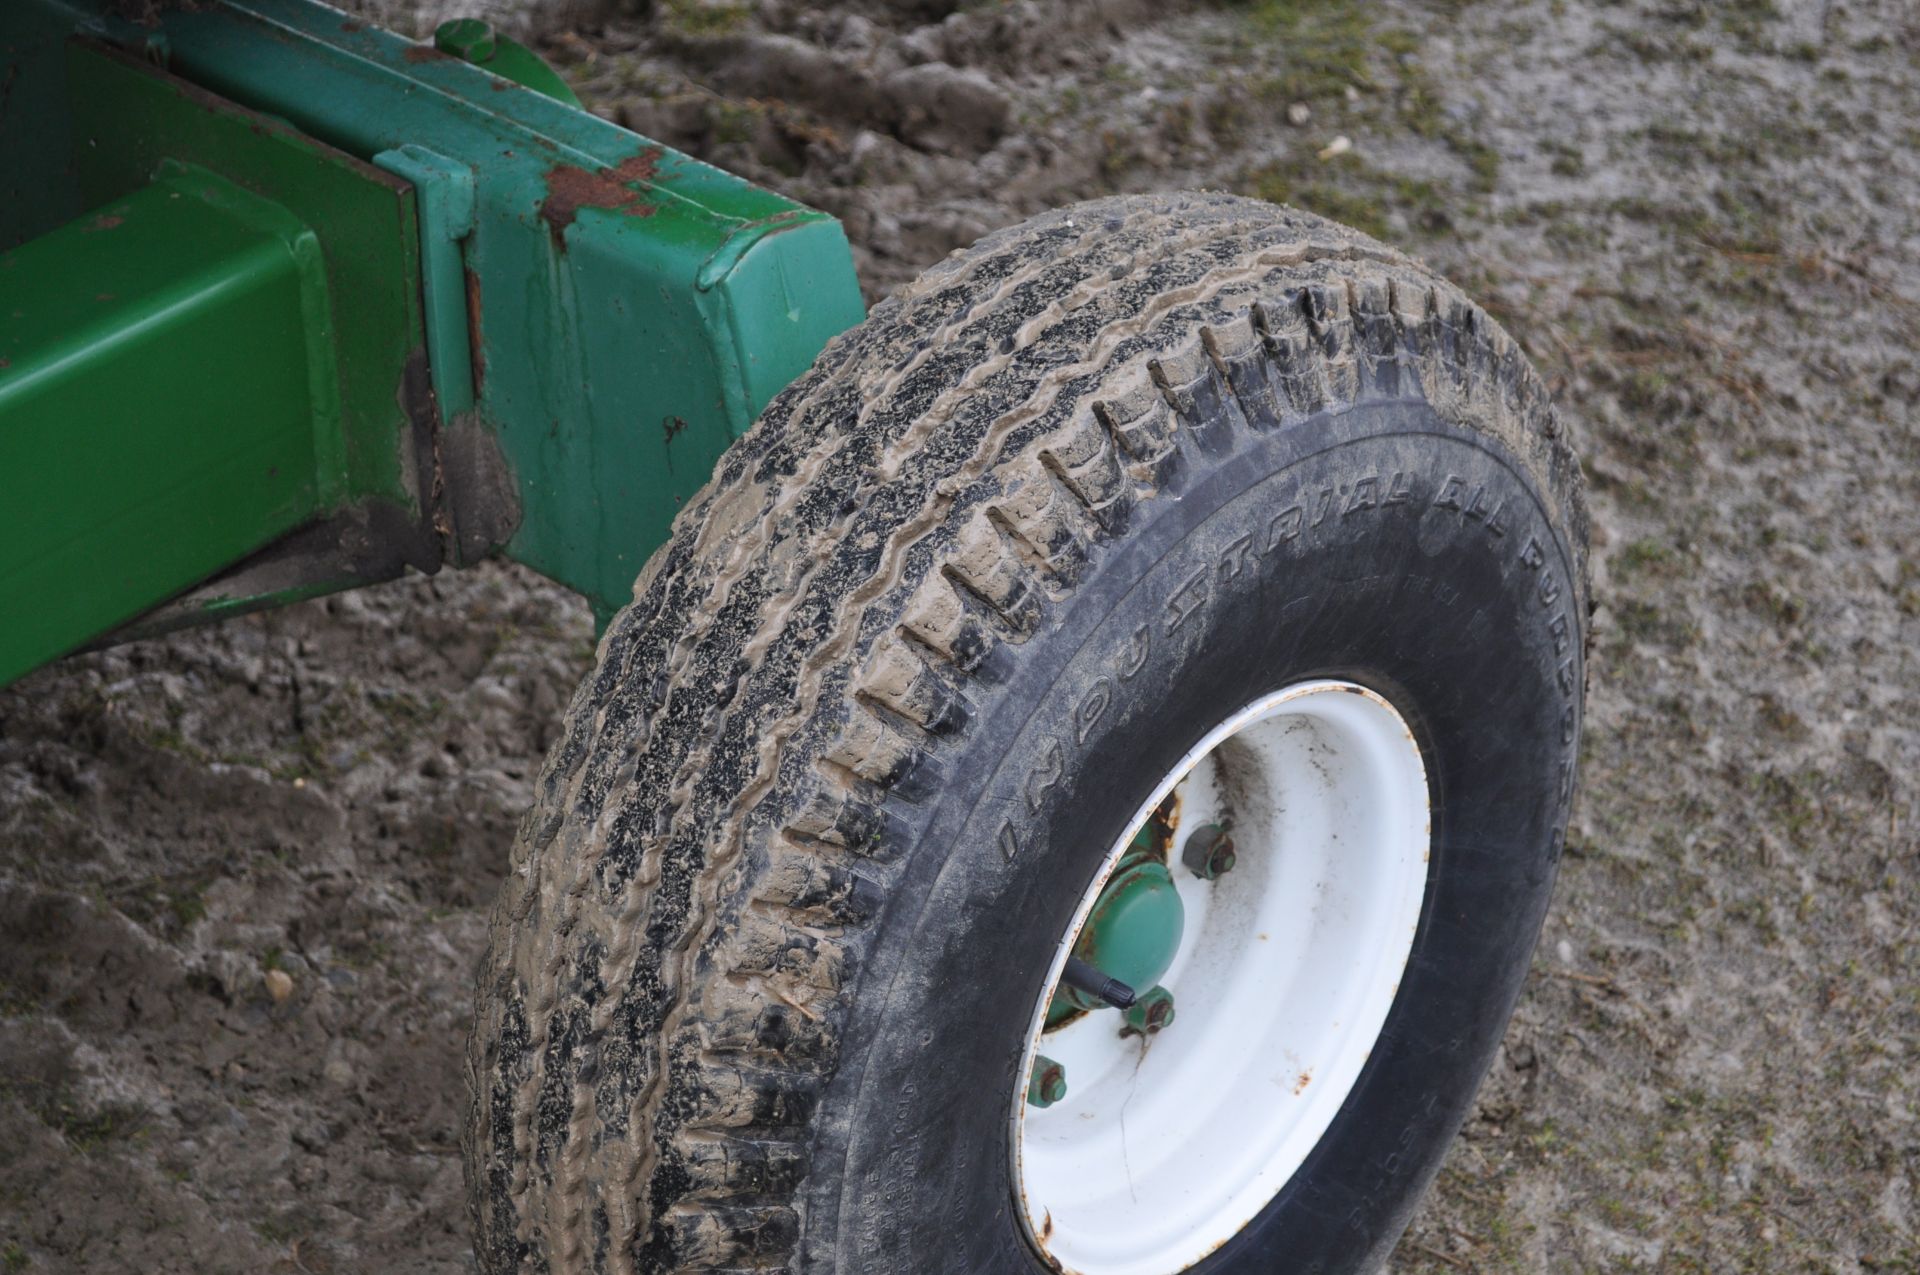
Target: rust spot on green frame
[571,188]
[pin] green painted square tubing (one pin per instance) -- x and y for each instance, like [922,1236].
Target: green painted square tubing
[160,386]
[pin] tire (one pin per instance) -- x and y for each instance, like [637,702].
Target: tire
[760,975]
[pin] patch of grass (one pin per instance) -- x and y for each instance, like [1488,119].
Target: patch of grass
[1906,596]
[1649,556]
[13,1258]
[1324,46]
[88,1130]
[1644,389]
[1340,203]
[174,902]
[1568,160]
[1226,117]
[1419,108]
[1647,45]
[168,740]
[1780,605]
[733,122]
[1327,51]
[1778,717]
[1350,190]
[277,1230]
[702,17]
[1791,801]
[1731,150]
[1644,622]
[364,953]
[15,1003]
[1748,222]
[1749,22]
[1482,161]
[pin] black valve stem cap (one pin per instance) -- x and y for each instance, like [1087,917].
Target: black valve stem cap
[1083,977]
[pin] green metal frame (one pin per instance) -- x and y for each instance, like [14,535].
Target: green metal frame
[123,393]
[542,339]
[186,373]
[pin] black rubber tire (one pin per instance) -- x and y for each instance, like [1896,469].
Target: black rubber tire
[760,973]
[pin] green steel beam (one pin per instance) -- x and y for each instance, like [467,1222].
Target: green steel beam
[628,310]
[129,118]
[161,401]
[84,445]
[545,328]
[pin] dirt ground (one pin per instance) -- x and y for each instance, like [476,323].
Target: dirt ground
[244,871]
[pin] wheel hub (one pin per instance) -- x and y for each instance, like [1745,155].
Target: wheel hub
[1272,884]
[1133,931]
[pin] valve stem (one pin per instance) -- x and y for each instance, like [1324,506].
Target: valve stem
[1083,977]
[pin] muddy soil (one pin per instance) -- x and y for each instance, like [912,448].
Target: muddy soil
[244,871]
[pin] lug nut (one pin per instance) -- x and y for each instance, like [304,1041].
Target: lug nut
[1048,1084]
[1151,1013]
[1209,852]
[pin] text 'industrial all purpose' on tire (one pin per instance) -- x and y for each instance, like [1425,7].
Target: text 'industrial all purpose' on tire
[1079,790]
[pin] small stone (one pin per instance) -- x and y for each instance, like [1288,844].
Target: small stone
[1298,114]
[313,1136]
[338,1072]
[279,985]
[1564,950]
[1337,147]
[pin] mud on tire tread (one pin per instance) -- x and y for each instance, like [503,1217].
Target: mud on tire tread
[669,962]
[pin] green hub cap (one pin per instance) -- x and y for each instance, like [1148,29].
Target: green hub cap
[1132,933]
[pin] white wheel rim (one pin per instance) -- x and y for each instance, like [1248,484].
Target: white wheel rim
[1166,1146]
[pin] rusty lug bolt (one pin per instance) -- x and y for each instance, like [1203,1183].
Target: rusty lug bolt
[1151,1013]
[1048,1084]
[1209,852]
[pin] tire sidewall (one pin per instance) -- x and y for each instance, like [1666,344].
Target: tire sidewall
[1378,544]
